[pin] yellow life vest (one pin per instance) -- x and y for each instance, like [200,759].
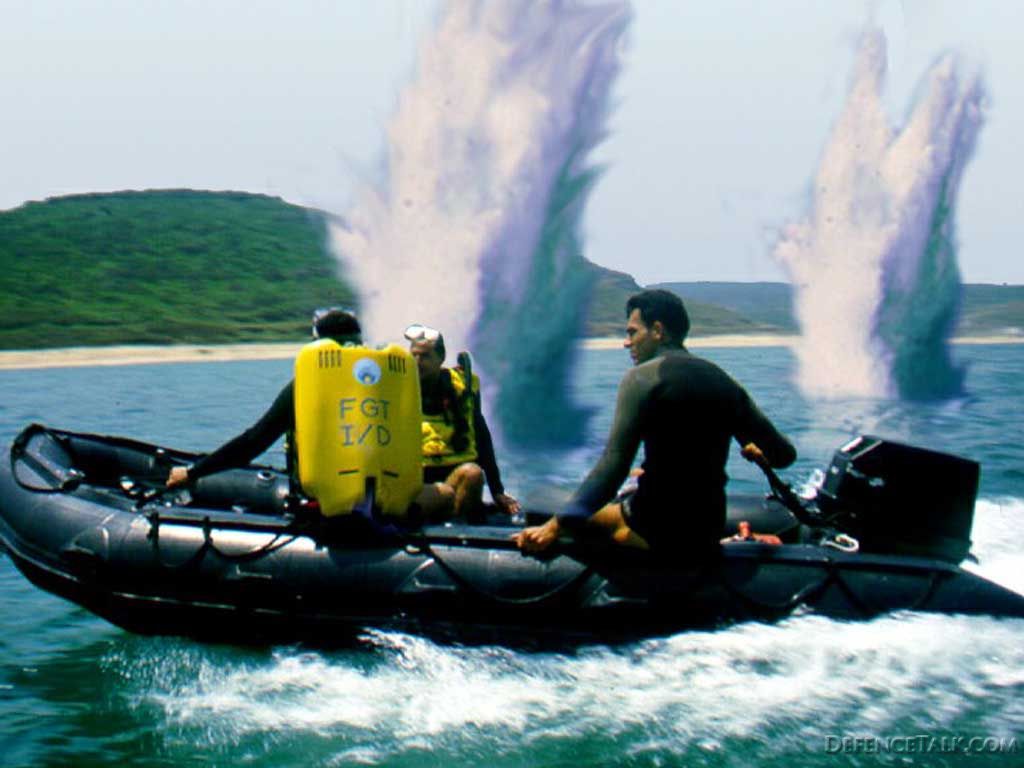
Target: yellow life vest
[439,429]
[357,413]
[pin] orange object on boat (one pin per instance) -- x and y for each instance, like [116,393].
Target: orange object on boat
[744,533]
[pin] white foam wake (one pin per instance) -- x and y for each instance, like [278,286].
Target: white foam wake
[997,543]
[787,685]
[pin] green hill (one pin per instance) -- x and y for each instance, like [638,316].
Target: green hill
[769,304]
[612,289]
[992,309]
[162,266]
[185,266]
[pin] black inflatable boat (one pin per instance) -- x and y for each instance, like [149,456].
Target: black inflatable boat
[237,557]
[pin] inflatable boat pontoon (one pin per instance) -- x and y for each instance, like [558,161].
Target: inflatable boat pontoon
[238,557]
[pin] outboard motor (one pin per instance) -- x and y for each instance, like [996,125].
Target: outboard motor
[899,499]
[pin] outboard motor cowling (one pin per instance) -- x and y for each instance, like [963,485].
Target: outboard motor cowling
[900,499]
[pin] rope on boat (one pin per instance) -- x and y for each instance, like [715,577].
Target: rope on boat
[833,576]
[802,595]
[280,540]
[467,584]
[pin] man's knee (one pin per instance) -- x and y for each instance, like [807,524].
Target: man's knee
[474,475]
[613,518]
[468,474]
[610,517]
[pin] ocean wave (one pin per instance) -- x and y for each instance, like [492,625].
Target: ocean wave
[775,689]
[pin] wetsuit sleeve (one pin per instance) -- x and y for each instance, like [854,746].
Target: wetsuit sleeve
[485,451]
[241,450]
[601,485]
[752,426]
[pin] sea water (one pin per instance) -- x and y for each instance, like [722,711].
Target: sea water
[904,689]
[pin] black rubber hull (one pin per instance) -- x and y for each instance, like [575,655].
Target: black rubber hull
[245,577]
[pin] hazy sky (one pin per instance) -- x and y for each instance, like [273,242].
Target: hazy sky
[720,112]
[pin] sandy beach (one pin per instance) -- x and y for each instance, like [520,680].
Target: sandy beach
[71,357]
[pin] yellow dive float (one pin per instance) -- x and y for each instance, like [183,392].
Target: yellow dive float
[357,427]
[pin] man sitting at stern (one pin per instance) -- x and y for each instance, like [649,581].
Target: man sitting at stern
[685,410]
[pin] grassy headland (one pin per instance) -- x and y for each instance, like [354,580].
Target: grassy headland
[193,267]
[159,267]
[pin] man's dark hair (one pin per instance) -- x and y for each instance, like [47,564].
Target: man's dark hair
[338,324]
[664,306]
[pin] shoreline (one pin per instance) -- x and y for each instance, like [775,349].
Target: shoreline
[75,357]
[144,354]
[781,340]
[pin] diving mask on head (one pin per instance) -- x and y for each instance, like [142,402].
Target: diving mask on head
[419,332]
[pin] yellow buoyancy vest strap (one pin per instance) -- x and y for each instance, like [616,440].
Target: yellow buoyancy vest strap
[439,429]
[357,417]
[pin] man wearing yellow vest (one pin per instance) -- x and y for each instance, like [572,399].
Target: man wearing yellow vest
[458,453]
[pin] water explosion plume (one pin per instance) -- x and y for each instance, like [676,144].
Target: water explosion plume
[475,229]
[877,285]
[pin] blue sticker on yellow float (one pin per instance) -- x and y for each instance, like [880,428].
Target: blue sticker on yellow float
[366,371]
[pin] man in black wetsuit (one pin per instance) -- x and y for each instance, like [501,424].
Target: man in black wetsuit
[685,411]
[458,452]
[333,323]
